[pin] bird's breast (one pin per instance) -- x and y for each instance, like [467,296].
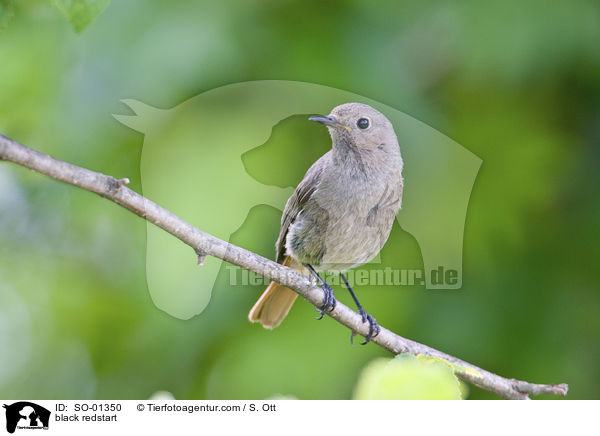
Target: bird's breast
[345,223]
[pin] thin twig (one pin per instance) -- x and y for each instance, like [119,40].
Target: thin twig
[206,244]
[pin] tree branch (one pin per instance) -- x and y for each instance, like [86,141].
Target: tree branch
[206,244]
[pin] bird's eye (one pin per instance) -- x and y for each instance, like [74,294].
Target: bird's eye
[362,123]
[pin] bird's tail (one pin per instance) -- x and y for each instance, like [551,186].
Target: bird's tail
[275,303]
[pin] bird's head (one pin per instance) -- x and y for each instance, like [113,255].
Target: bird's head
[358,125]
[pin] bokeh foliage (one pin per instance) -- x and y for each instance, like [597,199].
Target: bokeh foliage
[407,377]
[517,83]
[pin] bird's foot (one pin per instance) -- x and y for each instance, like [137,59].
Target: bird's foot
[328,302]
[373,327]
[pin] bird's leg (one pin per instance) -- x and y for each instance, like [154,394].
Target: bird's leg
[373,326]
[329,300]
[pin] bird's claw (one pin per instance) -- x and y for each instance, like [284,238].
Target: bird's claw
[374,328]
[329,301]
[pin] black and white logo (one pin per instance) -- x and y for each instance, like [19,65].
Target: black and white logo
[26,415]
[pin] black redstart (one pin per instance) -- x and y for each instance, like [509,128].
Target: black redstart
[342,212]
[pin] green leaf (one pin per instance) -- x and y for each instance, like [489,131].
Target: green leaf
[80,13]
[7,12]
[408,377]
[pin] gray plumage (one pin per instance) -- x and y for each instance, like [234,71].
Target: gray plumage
[342,212]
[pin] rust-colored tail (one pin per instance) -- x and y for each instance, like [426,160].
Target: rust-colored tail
[274,304]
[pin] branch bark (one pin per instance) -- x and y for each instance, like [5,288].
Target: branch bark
[206,244]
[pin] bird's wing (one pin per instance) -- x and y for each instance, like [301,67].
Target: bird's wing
[296,202]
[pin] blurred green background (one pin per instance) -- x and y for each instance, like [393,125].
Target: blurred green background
[517,83]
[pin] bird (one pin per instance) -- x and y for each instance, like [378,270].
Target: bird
[341,214]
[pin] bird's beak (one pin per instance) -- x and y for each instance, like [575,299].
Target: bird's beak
[328,121]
